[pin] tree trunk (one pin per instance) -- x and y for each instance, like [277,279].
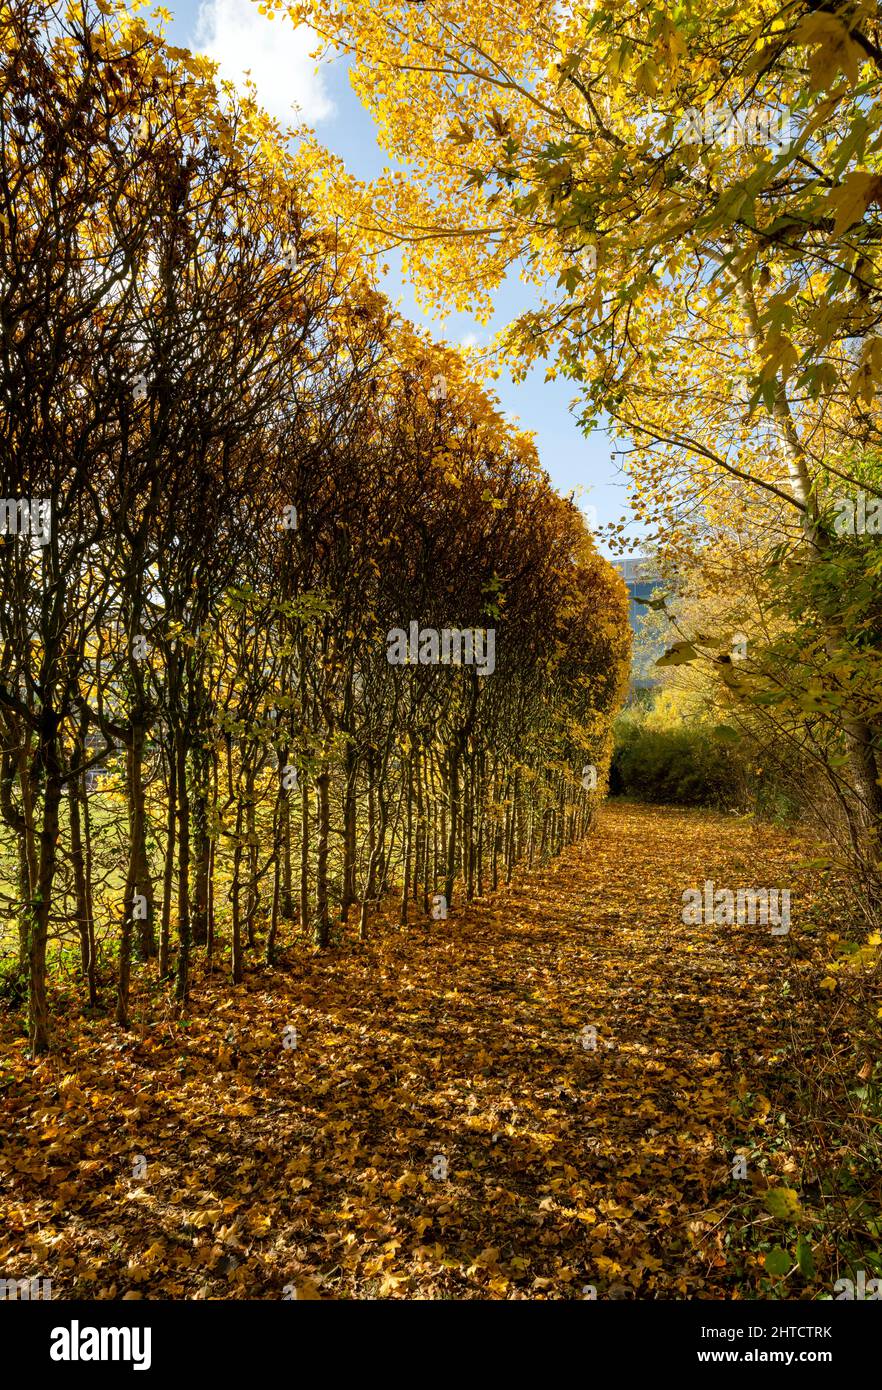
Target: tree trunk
[41,900]
[238,965]
[251,836]
[304,852]
[201,841]
[287,897]
[453,813]
[183,980]
[169,867]
[349,831]
[407,772]
[140,864]
[82,886]
[281,803]
[322,932]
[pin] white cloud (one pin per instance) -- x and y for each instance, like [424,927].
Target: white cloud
[239,38]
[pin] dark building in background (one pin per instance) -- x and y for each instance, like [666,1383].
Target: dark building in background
[641,580]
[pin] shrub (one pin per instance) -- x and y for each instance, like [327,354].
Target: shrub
[684,766]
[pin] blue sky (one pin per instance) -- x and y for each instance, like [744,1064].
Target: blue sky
[239,37]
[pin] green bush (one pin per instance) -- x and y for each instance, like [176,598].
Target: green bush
[685,766]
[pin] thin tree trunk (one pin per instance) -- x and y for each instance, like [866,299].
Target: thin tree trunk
[304,852]
[169,867]
[322,932]
[238,966]
[281,802]
[253,885]
[41,900]
[141,877]
[453,825]
[83,896]
[408,840]
[183,981]
[201,842]
[349,831]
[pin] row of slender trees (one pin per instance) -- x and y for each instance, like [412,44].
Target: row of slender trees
[693,193]
[229,471]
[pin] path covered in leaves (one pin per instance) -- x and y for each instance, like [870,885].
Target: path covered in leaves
[445,1125]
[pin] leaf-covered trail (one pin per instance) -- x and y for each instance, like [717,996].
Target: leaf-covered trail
[464,1049]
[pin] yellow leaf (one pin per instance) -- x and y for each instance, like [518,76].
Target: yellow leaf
[647,77]
[207,1218]
[850,200]
[488,1257]
[391,1282]
[782,357]
[834,49]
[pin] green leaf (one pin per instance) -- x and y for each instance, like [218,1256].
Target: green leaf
[726,734]
[767,697]
[777,1262]
[804,1257]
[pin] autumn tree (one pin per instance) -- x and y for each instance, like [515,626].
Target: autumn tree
[702,186]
